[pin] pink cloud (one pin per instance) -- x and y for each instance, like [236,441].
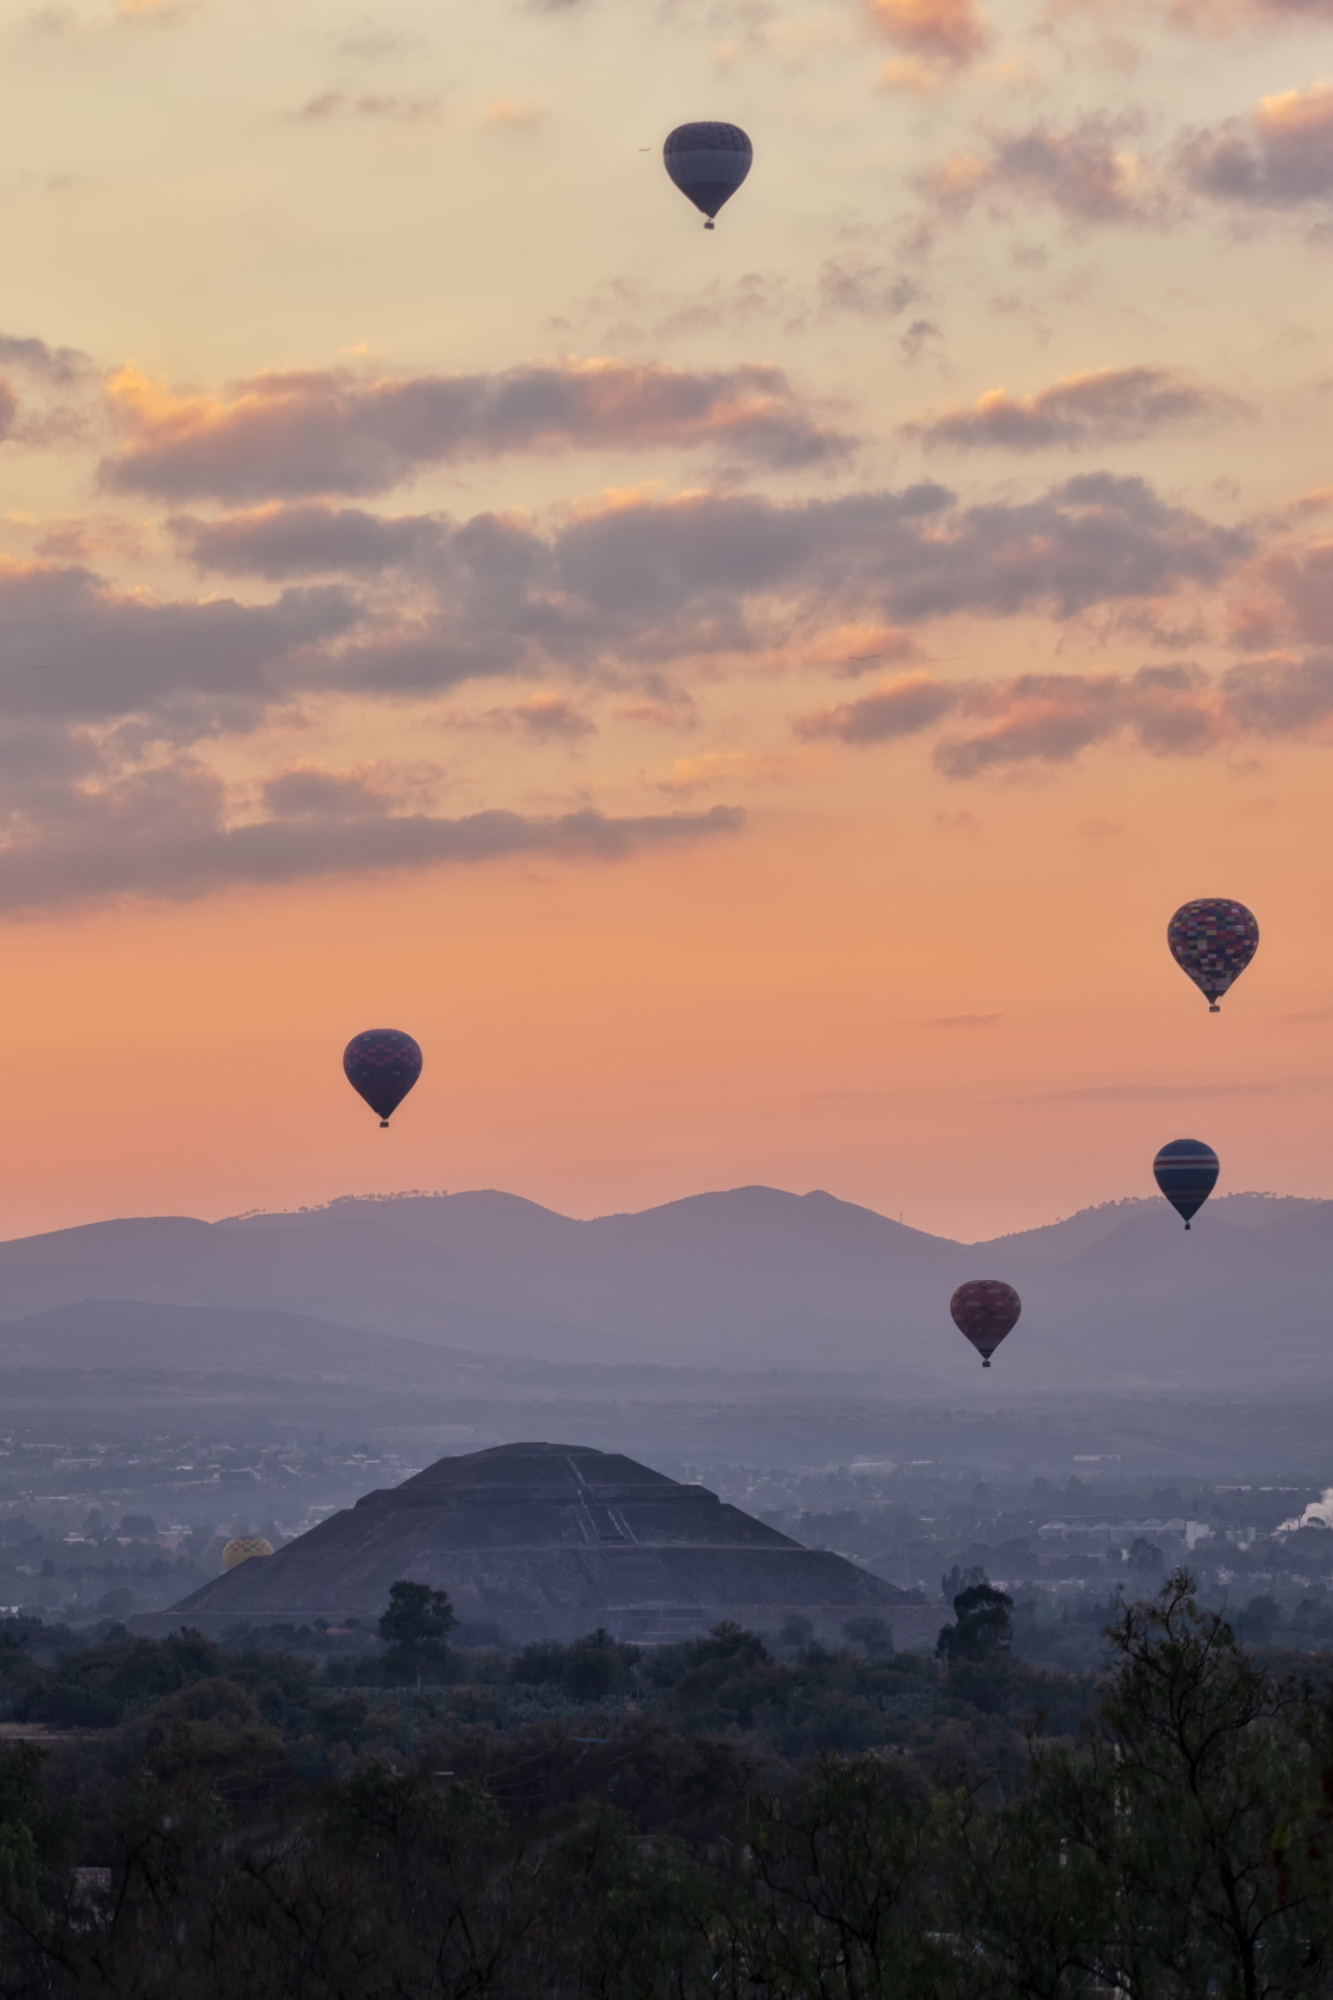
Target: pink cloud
[1104,406]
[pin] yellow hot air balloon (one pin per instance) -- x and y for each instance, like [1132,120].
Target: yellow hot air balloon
[241,1548]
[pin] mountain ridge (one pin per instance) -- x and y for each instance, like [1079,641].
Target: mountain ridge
[742,1278]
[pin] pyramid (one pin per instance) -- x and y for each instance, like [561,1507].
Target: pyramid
[545,1541]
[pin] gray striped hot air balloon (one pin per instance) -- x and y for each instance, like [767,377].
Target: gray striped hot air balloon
[708,162]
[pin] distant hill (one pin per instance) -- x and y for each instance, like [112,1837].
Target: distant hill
[216,1340]
[748,1279]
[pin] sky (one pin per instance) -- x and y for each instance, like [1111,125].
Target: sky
[748,702]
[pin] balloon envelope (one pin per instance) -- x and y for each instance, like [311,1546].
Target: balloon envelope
[1186,1171]
[241,1548]
[382,1065]
[1213,941]
[985,1310]
[708,162]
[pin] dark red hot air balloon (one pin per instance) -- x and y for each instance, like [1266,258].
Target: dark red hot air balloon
[985,1310]
[382,1065]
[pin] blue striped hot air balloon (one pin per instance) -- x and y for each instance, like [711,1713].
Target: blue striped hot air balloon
[1186,1171]
[708,162]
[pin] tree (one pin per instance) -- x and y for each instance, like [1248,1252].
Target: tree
[415,1626]
[961,1579]
[1182,1850]
[836,1894]
[984,1631]
[1258,1621]
[868,1629]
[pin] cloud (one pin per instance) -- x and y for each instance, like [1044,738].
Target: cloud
[914,554]
[397,110]
[1152,1093]
[370,41]
[918,333]
[677,714]
[634,585]
[1035,720]
[631,588]
[165,833]
[714,767]
[522,115]
[1105,406]
[305,433]
[1169,711]
[872,291]
[76,651]
[306,790]
[56,364]
[310,539]
[852,650]
[912,77]
[1286,594]
[1284,695]
[943,31]
[1086,173]
[903,709]
[545,718]
[1281,156]
[1225,17]
[110,697]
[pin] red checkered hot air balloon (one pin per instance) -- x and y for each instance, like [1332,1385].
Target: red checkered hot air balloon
[1212,941]
[985,1310]
[382,1065]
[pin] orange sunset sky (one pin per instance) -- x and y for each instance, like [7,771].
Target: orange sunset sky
[747,703]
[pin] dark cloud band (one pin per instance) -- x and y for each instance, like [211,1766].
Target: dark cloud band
[162,834]
[314,432]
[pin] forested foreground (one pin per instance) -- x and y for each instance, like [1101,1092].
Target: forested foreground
[1166,1831]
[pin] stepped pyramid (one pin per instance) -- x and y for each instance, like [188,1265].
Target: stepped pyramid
[546,1541]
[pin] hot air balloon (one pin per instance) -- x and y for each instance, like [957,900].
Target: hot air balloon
[1186,1172]
[985,1310]
[1213,941]
[708,162]
[242,1548]
[382,1065]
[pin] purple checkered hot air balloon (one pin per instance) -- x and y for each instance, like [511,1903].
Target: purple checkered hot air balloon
[708,161]
[985,1310]
[1212,942]
[382,1065]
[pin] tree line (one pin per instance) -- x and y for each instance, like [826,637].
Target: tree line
[1170,1838]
